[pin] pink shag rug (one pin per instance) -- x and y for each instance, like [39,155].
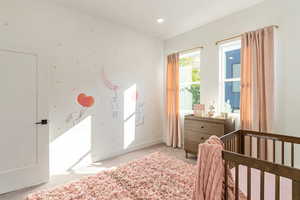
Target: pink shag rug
[154,177]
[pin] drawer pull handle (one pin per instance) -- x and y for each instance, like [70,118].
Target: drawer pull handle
[202,138]
[202,126]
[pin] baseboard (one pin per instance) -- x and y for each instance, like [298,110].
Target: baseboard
[96,158]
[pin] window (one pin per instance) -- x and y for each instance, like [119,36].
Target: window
[230,76]
[189,64]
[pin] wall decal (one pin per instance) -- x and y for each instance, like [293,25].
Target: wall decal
[115,105]
[86,102]
[135,96]
[107,82]
[139,114]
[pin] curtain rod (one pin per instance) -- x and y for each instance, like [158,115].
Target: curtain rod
[237,36]
[201,47]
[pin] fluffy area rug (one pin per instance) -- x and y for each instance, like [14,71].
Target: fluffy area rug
[154,177]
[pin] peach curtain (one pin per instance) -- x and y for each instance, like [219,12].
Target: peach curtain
[174,138]
[257,79]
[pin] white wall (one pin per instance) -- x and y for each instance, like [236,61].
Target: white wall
[75,48]
[270,12]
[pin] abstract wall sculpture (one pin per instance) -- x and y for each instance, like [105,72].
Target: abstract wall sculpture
[115,105]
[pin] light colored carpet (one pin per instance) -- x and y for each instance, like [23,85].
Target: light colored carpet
[153,177]
[95,168]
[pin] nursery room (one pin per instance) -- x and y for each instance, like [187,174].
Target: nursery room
[149,100]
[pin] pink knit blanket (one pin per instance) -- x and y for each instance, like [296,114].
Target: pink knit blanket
[209,184]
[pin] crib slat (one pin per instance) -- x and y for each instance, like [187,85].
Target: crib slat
[258,148]
[226,180]
[238,144]
[266,149]
[233,141]
[277,188]
[250,146]
[248,183]
[292,154]
[228,144]
[282,152]
[274,151]
[296,191]
[237,182]
[242,144]
[235,144]
[262,185]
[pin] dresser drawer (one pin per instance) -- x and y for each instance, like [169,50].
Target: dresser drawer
[192,146]
[196,136]
[198,129]
[204,127]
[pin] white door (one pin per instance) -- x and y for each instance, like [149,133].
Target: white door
[23,102]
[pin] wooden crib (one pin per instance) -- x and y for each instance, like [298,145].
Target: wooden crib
[269,153]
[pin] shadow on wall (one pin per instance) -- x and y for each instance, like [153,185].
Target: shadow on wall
[72,149]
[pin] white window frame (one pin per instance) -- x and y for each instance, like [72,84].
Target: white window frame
[185,84]
[229,46]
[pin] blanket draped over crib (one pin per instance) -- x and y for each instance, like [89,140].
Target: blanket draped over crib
[209,183]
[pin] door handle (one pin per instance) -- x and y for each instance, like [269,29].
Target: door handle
[42,122]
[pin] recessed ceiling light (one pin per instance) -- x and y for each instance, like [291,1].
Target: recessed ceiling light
[160,20]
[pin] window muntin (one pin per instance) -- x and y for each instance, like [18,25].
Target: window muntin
[189,70]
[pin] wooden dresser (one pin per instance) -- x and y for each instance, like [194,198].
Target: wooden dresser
[199,129]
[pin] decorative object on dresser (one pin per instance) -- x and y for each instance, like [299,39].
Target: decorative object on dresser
[199,129]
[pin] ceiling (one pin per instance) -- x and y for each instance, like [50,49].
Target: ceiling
[180,15]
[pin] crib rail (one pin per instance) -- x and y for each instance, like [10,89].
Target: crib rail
[260,151]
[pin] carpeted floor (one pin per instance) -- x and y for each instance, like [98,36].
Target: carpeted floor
[154,177]
[95,168]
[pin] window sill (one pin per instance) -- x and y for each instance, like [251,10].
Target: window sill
[234,115]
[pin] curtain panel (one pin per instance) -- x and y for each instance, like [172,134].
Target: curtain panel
[174,137]
[257,79]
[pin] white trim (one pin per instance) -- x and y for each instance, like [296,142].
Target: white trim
[231,80]
[189,53]
[228,46]
[190,83]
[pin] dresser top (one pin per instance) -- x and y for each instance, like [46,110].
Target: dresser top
[207,119]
